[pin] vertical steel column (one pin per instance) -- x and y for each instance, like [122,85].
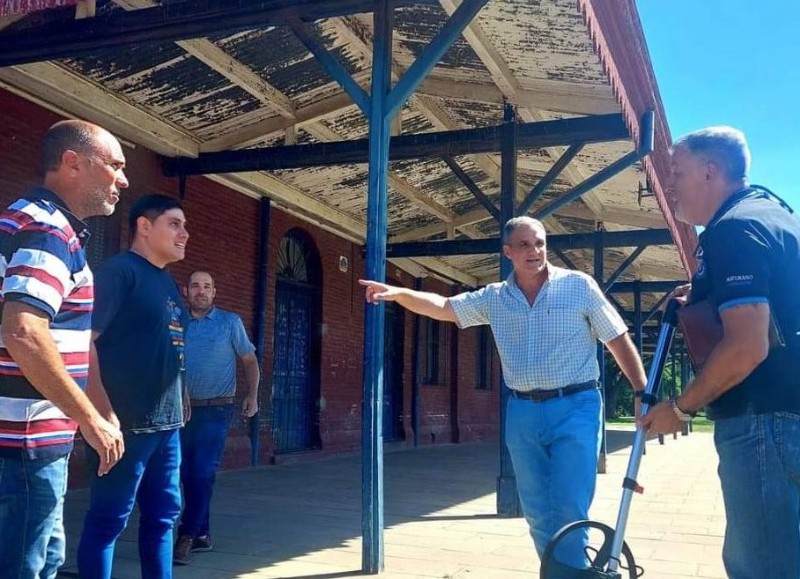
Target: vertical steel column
[639,321]
[507,497]
[415,370]
[260,321]
[599,276]
[377,192]
[455,433]
[637,317]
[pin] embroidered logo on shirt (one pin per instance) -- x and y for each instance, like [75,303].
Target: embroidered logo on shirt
[701,265]
[739,280]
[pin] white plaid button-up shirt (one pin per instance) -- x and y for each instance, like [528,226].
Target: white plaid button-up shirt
[552,343]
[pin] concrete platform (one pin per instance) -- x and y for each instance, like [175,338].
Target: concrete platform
[303,521]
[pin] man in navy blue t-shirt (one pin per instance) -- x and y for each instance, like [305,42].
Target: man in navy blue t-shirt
[138,327]
[749,270]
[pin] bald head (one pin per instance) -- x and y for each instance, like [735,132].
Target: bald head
[71,135]
[84,165]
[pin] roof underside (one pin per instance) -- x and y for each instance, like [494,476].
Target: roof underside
[263,88]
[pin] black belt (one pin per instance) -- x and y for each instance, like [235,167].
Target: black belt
[221,401]
[542,395]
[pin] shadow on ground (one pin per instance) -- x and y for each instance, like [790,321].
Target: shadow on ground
[266,515]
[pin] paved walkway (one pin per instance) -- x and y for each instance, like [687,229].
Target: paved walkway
[303,521]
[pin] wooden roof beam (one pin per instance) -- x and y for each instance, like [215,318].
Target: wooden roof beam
[611,214]
[401,186]
[224,64]
[84,99]
[253,132]
[551,95]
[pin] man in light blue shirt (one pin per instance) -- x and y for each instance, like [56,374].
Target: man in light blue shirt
[215,339]
[546,322]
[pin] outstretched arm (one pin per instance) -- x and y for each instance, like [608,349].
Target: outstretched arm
[424,303]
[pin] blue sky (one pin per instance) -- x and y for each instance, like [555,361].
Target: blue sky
[734,62]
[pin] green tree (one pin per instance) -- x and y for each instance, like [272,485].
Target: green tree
[618,391]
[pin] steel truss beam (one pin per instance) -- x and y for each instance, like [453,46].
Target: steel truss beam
[537,135]
[633,238]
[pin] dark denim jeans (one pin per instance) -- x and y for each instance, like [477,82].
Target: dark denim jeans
[759,468]
[554,447]
[202,444]
[31,517]
[148,474]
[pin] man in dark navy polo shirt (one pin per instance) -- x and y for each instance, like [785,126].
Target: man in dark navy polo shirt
[749,269]
[137,329]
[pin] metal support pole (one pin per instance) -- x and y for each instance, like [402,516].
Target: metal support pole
[599,276]
[644,148]
[507,496]
[377,193]
[433,53]
[260,321]
[564,259]
[384,103]
[637,317]
[331,64]
[622,268]
[472,186]
[455,433]
[415,370]
[549,178]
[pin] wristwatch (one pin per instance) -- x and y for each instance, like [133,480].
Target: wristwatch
[682,416]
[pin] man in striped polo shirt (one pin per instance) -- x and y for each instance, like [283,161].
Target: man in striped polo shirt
[546,322]
[47,296]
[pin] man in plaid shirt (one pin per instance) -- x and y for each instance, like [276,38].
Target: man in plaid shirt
[546,322]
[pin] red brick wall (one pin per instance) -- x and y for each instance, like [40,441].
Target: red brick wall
[224,233]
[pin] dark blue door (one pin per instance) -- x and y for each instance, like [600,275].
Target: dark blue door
[294,399]
[394,333]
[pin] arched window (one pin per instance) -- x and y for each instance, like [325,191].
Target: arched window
[297,260]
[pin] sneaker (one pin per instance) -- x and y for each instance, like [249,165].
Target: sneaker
[182,551]
[202,544]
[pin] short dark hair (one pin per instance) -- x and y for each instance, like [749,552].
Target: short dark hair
[151,207]
[205,271]
[63,136]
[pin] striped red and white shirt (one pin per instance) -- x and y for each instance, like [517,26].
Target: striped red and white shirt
[43,264]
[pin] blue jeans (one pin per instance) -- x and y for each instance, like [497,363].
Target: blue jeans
[759,469]
[148,474]
[202,443]
[32,542]
[554,446]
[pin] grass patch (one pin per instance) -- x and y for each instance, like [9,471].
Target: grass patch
[699,423]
